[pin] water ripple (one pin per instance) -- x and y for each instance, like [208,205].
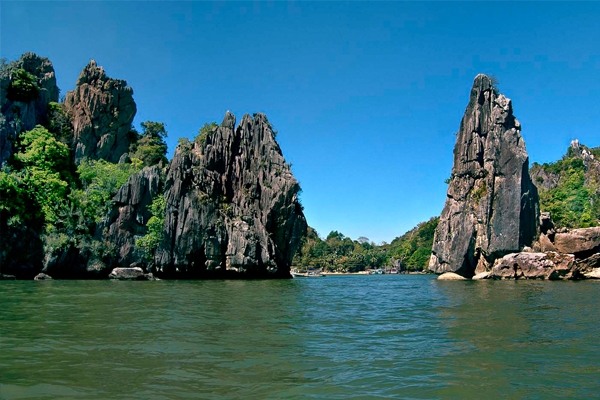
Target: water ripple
[370,337]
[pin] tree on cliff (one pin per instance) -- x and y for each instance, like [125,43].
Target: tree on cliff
[150,145]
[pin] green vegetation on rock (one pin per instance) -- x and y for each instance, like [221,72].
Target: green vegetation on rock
[150,146]
[204,131]
[149,242]
[569,188]
[23,86]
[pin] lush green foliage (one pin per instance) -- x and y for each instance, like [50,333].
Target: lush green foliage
[23,86]
[340,253]
[150,145]
[575,201]
[150,242]
[414,247]
[40,176]
[100,181]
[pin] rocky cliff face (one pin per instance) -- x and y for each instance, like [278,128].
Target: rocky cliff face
[19,115]
[232,206]
[492,206]
[102,110]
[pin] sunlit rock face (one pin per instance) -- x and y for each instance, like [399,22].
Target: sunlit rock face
[232,205]
[492,206]
[102,110]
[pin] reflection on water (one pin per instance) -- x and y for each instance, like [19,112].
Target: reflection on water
[334,338]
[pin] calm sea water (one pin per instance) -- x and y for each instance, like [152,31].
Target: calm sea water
[353,337]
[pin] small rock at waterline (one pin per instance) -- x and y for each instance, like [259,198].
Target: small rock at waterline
[595,274]
[42,277]
[451,276]
[128,274]
[481,275]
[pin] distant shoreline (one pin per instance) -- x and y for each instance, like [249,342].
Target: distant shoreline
[365,273]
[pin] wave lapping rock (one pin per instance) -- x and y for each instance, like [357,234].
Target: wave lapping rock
[492,206]
[102,110]
[232,205]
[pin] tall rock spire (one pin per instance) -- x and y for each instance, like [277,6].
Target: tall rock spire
[102,109]
[492,206]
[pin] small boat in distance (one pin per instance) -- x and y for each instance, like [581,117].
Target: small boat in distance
[311,273]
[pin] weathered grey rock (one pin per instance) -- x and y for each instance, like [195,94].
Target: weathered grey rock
[19,116]
[451,276]
[232,206]
[5,277]
[102,110]
[42,277]
[130,213]
[582,242]
[548,265]
[492,206]
[128,274]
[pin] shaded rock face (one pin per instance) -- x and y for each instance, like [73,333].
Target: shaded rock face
[492,206]
[129,215]
[20,116]
[102,110]
[232,206]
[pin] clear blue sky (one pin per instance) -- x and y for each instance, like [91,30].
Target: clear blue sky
[366,96]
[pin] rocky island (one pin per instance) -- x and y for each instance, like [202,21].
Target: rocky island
[491,226]
[84,195]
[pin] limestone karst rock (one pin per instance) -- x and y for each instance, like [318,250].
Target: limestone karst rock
[17,114]
[129,215]
[102,110]
[491,206]
[232,206]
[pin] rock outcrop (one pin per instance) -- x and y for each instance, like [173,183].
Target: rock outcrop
[102,110]
[451,276]
[232,206]
[19,114]
[581,242]
[549,265]
[129,215]
[492,206]
[130,274]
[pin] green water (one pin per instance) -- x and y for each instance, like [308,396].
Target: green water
[365,337]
